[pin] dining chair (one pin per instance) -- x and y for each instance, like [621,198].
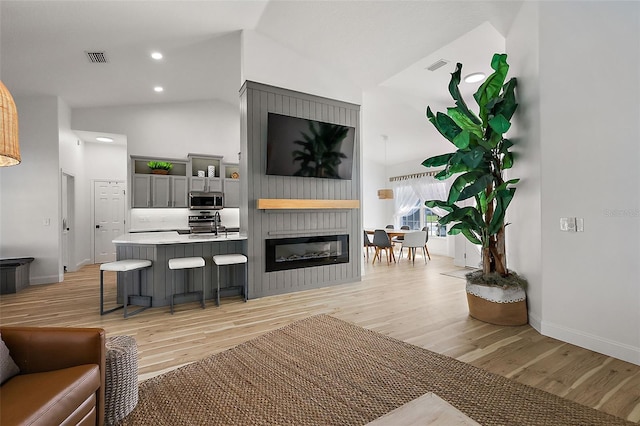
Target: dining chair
[389,227]
[367,244]
[382,242]
[399,238]
[414,241]
[425,241]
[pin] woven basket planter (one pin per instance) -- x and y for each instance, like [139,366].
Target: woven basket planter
[496,305]
[121,371]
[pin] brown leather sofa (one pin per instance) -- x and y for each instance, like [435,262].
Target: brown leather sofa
[61,379]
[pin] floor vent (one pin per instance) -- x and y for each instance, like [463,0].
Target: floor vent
[97,57]
[438,64]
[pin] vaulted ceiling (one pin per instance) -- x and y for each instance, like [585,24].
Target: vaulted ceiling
[383,47]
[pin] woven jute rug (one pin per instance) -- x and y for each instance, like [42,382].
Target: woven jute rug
[324,371]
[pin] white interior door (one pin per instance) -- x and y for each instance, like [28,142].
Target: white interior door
[109,210]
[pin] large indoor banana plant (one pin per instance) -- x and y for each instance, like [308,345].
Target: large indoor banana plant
[479,161]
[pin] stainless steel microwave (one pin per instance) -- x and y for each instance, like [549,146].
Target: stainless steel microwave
[206,200]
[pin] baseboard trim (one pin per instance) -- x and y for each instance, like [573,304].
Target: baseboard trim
[592,342]
[47,279]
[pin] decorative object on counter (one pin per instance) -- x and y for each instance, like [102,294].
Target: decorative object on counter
[200,173]
[212,171]
[235,175]
[160,167]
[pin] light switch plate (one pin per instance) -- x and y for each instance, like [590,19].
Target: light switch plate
[568,224]
[579,224]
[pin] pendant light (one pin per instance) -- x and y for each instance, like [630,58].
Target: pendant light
[9,147]
[385,193]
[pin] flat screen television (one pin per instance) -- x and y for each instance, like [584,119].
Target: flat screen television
[309,148]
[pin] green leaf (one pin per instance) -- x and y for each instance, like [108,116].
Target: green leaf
[507,106]
[507,160]
[505,145]
[503,199]
[474,157]
[499,124]
[491,87]
[501,188]
[464,122]
[478,186]
[461,182]
[442,204]
[466,231]
[461,141]
[455,94]
[444,124]
[437,160]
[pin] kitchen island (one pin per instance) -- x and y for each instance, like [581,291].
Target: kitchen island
[158,247]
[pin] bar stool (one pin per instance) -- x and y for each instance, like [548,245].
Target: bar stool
[230,259]
[186,263]
[125,266]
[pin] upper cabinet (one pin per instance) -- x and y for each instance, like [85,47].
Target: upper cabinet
[205,173]
[170,188]
[161,187]
[231,184]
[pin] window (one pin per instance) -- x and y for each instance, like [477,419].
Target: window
[412,220]
[424,217]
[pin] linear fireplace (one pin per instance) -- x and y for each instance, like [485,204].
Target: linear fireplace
[304,252]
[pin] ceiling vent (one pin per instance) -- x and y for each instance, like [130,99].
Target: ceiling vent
[97,57]
[437,64]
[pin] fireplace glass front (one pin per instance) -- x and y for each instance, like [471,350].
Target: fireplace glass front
[304,252]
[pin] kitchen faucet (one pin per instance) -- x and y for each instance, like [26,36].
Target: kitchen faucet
[216,221]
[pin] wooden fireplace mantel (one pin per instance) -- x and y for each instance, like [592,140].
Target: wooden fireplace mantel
[284,204]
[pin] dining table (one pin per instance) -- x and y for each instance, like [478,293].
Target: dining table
[392,233]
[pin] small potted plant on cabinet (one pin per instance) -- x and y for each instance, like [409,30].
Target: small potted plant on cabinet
[494,293]
[160,167]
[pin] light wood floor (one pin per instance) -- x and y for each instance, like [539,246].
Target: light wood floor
[411,302]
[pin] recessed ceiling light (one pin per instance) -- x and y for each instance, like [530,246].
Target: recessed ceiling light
[475,77]
[158,89]
[104,139]
[156,55]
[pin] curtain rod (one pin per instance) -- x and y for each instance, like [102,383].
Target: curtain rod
[413,176]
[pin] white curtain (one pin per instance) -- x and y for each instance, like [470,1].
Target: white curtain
[405,199]
[429,188]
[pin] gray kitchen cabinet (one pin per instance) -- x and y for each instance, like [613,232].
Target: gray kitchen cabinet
[141,191]
[232,192]
[204,165]
[149,189]
[179,191]
[205,184]
[231,184]
[160,191]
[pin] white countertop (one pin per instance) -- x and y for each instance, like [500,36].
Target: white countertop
[172,237]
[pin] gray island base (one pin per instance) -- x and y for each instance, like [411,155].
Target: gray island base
[159,247]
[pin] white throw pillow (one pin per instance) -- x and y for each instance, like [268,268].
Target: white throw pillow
[8,367]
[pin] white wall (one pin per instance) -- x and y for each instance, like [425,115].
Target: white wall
[376,213]
[581,126]
[524,239]
[169,130]
[265,61]
[30,191]
[589,91]
[71,155]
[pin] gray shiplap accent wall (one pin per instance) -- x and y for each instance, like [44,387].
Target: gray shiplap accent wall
[256,101]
